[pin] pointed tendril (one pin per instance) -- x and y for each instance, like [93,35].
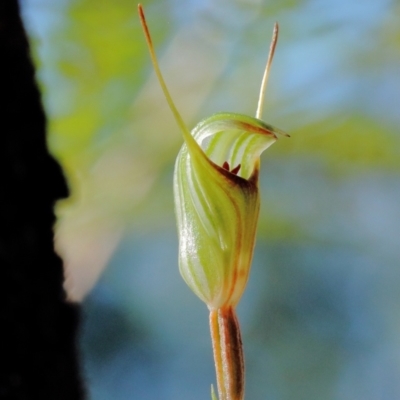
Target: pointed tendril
[236,169]
[266,72]
[154,60]
[233,171]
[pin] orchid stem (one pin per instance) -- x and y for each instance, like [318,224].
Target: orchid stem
[228,353]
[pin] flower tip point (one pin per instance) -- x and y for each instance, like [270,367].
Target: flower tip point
[281,133]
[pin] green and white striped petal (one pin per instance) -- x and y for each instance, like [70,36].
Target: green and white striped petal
[217,209]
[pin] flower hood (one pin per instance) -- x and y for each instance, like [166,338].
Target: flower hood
[217,204]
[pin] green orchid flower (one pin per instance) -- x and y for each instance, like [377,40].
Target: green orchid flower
[217,207]
[217,204]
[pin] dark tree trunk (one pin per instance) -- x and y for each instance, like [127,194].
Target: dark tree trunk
[38,357]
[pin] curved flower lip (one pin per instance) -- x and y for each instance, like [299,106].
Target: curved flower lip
[222,123]
[237,121]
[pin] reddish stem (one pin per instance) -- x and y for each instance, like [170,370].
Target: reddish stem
[228,353]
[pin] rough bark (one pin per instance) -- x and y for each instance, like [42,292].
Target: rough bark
[38,357]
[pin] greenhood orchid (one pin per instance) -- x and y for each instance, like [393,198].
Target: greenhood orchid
[217,205]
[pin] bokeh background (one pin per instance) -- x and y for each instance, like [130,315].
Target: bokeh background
[320,316]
